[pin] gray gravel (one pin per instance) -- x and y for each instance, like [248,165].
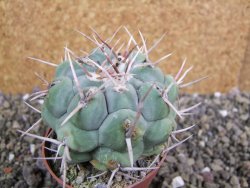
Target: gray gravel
[18,166]
[218,154]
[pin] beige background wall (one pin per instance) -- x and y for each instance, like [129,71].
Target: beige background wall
[213,35]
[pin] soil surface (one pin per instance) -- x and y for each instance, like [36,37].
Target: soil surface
[218,154]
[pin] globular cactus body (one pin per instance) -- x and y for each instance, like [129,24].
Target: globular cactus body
[114,100]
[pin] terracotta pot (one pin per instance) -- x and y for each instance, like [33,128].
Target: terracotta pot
[144,183]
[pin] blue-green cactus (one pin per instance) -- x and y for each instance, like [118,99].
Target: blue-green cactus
[92,109]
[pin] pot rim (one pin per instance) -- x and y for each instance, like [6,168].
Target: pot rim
[147,179]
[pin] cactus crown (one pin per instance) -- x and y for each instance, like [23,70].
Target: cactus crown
[111,107]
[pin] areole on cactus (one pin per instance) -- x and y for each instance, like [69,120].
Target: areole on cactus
[111,106]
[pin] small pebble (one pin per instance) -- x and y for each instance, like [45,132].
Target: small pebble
[244,117]
[100,185]
[234,180]
[182,158]
[217,94]
[202,144]
[40,101]
[244,183]
[206,169]
[235,110]
[79,180]
[216,167]
[32,149]
[11,157]
[171,159]
[190,161]
[26,96]
[16,125]
[7,170]
[223,113]
[177,182]
[6,104]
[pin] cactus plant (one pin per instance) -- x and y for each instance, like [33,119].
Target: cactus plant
[111,108]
